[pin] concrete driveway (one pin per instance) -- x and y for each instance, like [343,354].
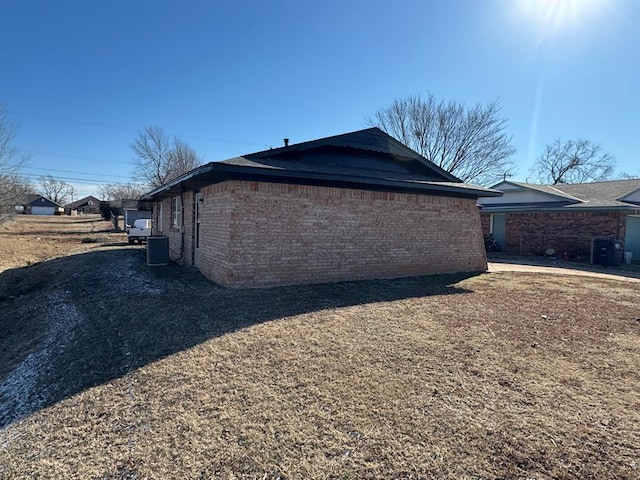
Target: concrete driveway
[612,273]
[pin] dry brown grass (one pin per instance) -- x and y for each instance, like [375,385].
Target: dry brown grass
[497,376]
[30,239]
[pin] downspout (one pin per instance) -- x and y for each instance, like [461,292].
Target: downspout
[621,227]
[181,220]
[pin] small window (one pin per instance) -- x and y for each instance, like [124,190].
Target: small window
[90,202]
[176,219]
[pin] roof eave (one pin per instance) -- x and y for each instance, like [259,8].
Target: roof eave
[217,172]
[351,180]
[157,192]
[523,209]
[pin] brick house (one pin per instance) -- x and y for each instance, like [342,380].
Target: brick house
[88,205]
[354,206]
[529,218]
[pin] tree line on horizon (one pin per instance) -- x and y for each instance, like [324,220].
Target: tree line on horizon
[471,143]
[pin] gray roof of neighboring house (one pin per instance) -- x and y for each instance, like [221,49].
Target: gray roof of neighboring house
[134,204]
[602,193]
[34,197]
[83,201]
[363,159]
[31,197]
[548,189]
[577,196]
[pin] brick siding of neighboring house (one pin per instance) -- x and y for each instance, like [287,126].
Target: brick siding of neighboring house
[256,234]
[571,232]
[485,221]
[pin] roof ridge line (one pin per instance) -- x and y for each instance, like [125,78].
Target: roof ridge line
[552,187]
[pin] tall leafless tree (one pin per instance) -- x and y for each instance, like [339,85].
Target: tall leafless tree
[182,158]
[574,161]
[121,191]
[55,190]
[159,159]
[470,143]
[13,188]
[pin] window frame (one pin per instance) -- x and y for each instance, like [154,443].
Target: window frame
[176,213]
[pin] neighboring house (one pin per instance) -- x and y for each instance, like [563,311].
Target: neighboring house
[354,206]
[85,205]
[39,205]
[530,219]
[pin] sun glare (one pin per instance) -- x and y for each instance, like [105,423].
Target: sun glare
[558,15]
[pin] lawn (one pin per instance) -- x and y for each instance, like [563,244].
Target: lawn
[114,370]
[31,239]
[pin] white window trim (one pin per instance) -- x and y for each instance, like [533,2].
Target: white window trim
[176,217]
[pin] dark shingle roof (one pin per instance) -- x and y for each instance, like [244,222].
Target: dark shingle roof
[366,159]
[34,197]
[82,202]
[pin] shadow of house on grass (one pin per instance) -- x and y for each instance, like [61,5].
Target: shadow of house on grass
[79,321]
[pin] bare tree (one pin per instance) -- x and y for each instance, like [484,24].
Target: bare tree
[182,158]
[55,190]
[121,191]
[13,188]
[13,193]
[470,143]
[574,161]
[159,159]
[629,176]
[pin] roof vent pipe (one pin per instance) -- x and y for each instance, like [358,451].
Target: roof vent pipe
[286,142]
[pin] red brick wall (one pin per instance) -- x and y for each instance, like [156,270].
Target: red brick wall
[261,234]
[485,221]
[219,209]
[571,232]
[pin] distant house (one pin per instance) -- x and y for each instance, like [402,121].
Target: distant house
[355,206]
[39,205]
[530,218]
[85,205]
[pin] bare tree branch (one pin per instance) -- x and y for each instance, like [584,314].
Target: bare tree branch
[13,188]
[55,190]
[469,143]
[158,159]
[182,158]
[573,161]
[121,191]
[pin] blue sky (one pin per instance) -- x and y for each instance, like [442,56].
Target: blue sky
[81,78]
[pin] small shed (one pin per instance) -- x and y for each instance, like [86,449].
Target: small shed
[133,210]
[127,210]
